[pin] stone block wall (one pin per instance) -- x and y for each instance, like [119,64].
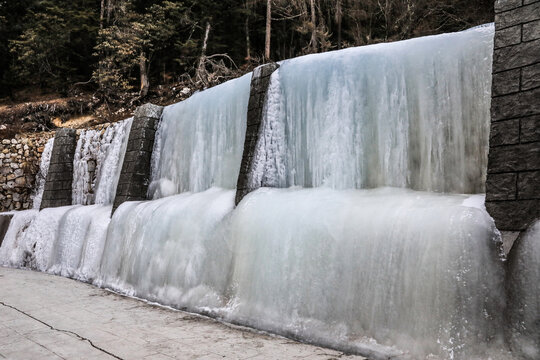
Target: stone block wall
[135,173]
[60,176]
[260,81]
[19,164]
[513,180]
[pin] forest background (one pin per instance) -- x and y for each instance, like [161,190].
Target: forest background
[61,59]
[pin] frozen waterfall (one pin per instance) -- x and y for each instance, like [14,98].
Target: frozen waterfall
[412,114]
[97,163]
[367,243]
[200,140]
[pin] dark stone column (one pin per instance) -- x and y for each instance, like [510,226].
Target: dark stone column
[5,219]
[60,176]
[260,81]
[135,174]
[513,180]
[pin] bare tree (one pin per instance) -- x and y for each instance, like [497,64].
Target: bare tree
[101,14]
[200,74]
[145,81]
[268,29]
[339,18]
[246,28]
[313,42]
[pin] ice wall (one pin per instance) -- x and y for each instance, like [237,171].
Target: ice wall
[339,268]
[411,114]
[172,250]
[41,177]
[12,251]
[98,162]
[524,294]
[200,140]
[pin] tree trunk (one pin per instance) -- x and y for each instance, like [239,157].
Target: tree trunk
[339,16]
[268,29]
[201,68]
[313,41]
[145,82]
[246,28]
[101,14]
[248,47]
[109,10]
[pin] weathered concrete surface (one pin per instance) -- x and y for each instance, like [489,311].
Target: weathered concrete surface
[49,317]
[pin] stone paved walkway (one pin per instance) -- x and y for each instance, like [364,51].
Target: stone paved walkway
[49,317]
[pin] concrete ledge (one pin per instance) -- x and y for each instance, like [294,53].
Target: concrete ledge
[135,173]
[260,81]
[60,176]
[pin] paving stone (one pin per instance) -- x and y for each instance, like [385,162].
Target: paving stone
[125,327]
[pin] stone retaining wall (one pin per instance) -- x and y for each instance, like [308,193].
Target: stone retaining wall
[19,164]
[260,81]
[60,176]
[513,181]
[135,174]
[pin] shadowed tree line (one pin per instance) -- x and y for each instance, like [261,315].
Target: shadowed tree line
[113,47]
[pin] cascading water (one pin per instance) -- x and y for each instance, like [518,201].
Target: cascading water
[385,272]
[41,176]
[200,141]
[97,163]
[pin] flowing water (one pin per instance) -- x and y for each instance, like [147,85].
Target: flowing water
[367,243]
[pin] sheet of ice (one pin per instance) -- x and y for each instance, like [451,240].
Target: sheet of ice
[41,177]
[328,266]
[412,269]
[524,294]
[78,247]
[199,141]
[98,162]
[32,235]
[172,250]
[11,251]
[110,162]
[411,114]
[477,201]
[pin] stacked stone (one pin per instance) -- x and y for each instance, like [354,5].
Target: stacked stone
[135,173]
[19,163]
[60,176]
[513,181]
[260,81]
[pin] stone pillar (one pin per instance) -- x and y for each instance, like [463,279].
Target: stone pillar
[513,179]
[260,81]
[5,219]
[60,176]
[135,174]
